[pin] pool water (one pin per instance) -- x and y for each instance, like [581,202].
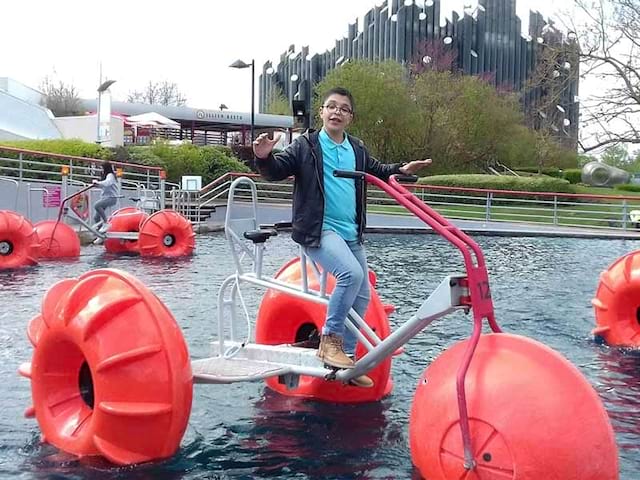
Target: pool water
[541,287]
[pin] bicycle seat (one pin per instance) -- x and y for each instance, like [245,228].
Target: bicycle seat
[260,236]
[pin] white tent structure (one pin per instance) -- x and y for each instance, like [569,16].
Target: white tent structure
[151,119]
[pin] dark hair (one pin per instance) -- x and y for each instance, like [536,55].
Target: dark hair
[340,91]
[107,168]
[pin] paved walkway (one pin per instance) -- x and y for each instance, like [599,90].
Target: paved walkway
[379,223]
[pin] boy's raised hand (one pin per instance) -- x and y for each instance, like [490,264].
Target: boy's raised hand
[412,167]
[263,145]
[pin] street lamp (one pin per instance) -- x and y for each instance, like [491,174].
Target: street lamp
[241,64]
[104,111]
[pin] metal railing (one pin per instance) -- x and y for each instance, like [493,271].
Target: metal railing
[542,208]
[45,167]
[553,209]
[20,167]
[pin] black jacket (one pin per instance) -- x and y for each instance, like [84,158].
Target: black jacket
[303,159]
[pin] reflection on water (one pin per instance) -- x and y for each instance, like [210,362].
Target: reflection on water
[541,287]
[343,434]
[619,385]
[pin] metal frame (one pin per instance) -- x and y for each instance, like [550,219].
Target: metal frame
[234,360]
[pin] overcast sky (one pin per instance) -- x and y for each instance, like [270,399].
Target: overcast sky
[183,41]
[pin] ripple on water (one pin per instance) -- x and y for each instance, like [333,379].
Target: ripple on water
[541,288]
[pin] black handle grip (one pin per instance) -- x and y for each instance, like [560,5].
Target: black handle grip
[276,225]
[407,178]
[348,174]
[282,225]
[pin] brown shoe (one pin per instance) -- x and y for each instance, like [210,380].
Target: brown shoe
[331,352]
[362,381]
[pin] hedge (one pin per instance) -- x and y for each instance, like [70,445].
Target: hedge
[73,147]
[550,171]
[628,187]
[500,182]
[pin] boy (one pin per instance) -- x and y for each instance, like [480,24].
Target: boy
[329,213]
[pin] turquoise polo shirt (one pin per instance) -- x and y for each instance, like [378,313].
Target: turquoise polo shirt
[339,193]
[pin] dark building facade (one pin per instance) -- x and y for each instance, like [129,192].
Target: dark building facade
[486,41]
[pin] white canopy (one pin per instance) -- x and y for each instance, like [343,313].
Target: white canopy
[152,119]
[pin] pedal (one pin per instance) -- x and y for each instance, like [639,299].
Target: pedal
[330,377]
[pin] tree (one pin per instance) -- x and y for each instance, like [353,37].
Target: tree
[545,95]
[616,156]
[609,39]
[465,122]
[277,103]
[460,121]
[159,93]
[61,98]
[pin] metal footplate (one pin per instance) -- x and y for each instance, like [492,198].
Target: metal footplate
[123,235]
[253,362]
[231,370]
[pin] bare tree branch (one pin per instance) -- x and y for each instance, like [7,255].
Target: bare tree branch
[609,40]
[61,98]
[160,93]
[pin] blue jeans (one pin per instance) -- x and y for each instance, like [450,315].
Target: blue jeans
[347,262]
[101,207]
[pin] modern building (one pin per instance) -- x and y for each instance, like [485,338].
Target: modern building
[21,114]
[486,40]
[23,117]
[203,126]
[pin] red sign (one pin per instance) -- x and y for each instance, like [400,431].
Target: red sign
[52,197]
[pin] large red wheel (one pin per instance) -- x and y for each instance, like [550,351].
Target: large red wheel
[128,219]
[57,240]
[110,373]
[19,244]
[617,303]
[284,319]
[532,416]
[166,234]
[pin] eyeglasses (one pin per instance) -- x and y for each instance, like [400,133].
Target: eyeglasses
[333,108]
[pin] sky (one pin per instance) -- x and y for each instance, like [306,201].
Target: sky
[188,42]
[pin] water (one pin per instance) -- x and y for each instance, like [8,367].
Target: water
[542,288]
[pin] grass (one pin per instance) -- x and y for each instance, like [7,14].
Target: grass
[584,189]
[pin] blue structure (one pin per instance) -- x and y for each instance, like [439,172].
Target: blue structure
[485,41]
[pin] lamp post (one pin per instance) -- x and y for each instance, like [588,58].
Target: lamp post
[241,64]
[104,86]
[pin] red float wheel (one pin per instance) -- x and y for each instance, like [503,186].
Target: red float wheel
[532,416]
[617,303]
[57,240]
[166,234]
[283,319]
[19,244]
[128,219]
[110,373]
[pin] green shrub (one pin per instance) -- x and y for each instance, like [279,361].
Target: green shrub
[572,175]
[210,162]
[142,155]
[628,187]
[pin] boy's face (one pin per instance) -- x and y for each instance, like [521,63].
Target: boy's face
[336,113]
